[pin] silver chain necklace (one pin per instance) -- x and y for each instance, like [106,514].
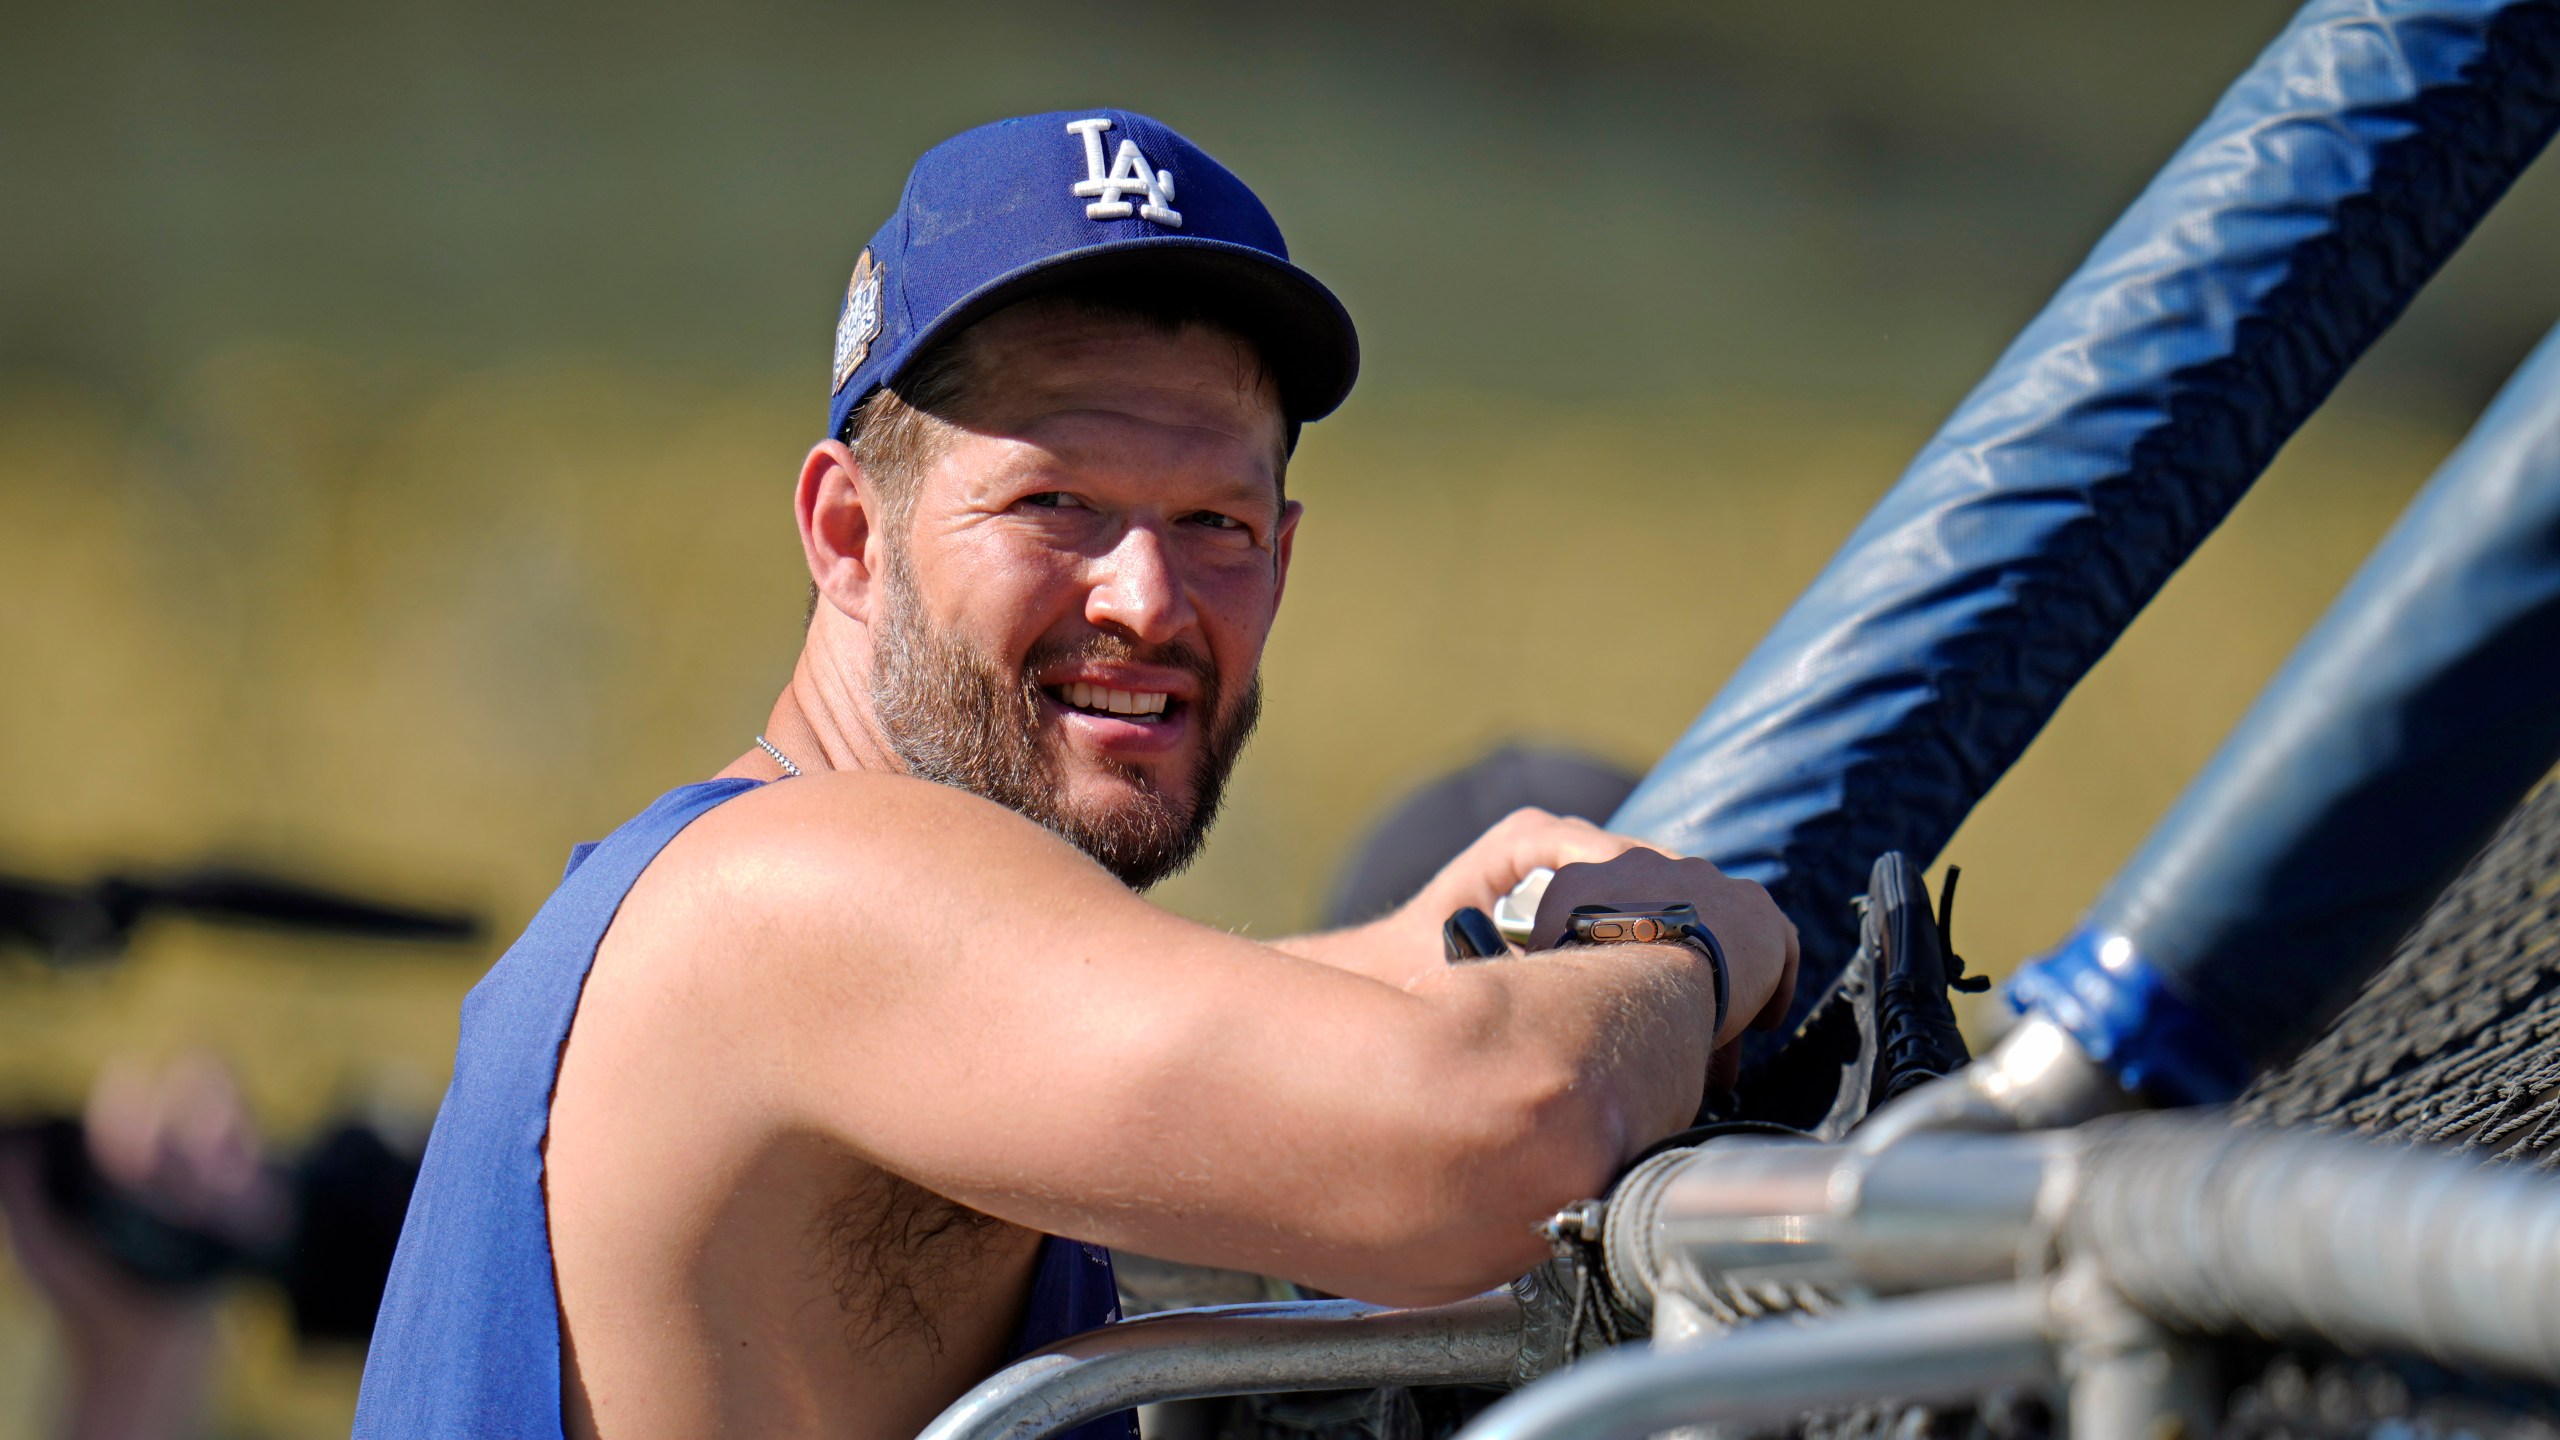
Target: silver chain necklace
[779,758]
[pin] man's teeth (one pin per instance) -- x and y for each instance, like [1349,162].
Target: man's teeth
[1117,702]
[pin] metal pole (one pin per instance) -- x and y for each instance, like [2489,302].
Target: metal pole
[2036,1078]
[1945,1347]
[2128,1378]
[1238,1350]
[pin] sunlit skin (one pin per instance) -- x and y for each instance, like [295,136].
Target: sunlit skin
[834,998]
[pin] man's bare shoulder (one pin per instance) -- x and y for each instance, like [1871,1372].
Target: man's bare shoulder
[813,903]
[851,803]
[860,841]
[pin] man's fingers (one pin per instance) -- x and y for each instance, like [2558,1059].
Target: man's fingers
[1532,839]
[1774,1014]
[1724,1069]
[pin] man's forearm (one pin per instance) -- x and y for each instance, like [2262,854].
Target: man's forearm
[1392,949]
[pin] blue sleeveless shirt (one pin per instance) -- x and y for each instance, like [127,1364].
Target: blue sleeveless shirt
[467,1345]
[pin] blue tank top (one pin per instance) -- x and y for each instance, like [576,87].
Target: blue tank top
[467,1346]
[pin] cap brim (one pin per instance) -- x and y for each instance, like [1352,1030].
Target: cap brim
[1305,335]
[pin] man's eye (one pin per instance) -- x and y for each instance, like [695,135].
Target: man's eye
[1052,500]
[1215,521]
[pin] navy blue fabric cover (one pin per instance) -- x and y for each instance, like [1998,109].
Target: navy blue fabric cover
[2375,765]
[2320,194]
[467,1345]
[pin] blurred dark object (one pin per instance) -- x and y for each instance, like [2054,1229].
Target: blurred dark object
[1470,934]
[346,1197]
[120,1222]
[1430,826]
[354,1191]
[69,924]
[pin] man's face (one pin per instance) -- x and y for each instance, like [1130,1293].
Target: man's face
[1073,624]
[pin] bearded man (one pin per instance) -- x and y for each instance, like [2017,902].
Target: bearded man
[817,1090]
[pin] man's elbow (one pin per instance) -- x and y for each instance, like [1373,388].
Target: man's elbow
[1474,1190]
[1555,1136]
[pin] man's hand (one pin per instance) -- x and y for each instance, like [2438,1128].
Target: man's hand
[180,1142]
[1592,865]
[1404,945]
[1503,856]
[1759,942]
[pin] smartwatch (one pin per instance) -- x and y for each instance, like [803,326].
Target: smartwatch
[1654,925]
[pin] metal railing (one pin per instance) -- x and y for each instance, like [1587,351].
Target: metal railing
[1246,1350]
[1934,1268]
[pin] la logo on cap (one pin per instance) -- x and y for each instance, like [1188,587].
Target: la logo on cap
[1130,174]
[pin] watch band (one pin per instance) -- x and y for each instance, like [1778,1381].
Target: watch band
[1705,940]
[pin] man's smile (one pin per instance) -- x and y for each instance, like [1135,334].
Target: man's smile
[1125,724]
[1120,708]
[1101,699]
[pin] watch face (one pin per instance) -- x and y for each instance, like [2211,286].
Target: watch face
[1631,925]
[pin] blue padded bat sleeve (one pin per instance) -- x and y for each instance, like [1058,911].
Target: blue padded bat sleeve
[2377,762]
[2116,432]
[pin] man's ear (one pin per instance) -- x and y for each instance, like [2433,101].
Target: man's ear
[1283,541]
[839,508]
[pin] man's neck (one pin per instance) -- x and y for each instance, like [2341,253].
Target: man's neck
[822,720]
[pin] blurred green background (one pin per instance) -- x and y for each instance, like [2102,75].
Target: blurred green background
[399,408]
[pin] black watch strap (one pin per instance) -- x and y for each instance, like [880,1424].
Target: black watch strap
[1707,943]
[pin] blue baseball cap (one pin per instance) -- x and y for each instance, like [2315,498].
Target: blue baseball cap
[1008,210]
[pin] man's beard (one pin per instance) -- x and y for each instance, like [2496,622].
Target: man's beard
[956,715]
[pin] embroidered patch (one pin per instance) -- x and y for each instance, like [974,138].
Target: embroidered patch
[1129,174]
[860,321]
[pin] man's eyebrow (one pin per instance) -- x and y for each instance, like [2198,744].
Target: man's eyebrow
[1237,492]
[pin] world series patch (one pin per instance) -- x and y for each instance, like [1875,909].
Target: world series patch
[860,322]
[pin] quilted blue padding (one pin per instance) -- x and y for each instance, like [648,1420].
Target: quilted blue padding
[2324,189]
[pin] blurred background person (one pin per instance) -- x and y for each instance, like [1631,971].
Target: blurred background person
[134,1219]
[135,1214]
[1405,846]
[138,1352]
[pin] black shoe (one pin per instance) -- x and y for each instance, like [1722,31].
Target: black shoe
[1821,1080]
[1916,1035]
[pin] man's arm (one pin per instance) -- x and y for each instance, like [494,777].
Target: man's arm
[994,1018]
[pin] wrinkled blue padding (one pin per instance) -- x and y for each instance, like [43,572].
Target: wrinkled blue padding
[2319,195]
[2114,1001]
[2377,762]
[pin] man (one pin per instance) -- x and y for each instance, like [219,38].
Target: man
[864,1020]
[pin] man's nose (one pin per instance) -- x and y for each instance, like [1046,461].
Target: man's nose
[1137,590]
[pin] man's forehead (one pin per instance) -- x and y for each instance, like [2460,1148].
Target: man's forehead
[1026,368]
[1037,343]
